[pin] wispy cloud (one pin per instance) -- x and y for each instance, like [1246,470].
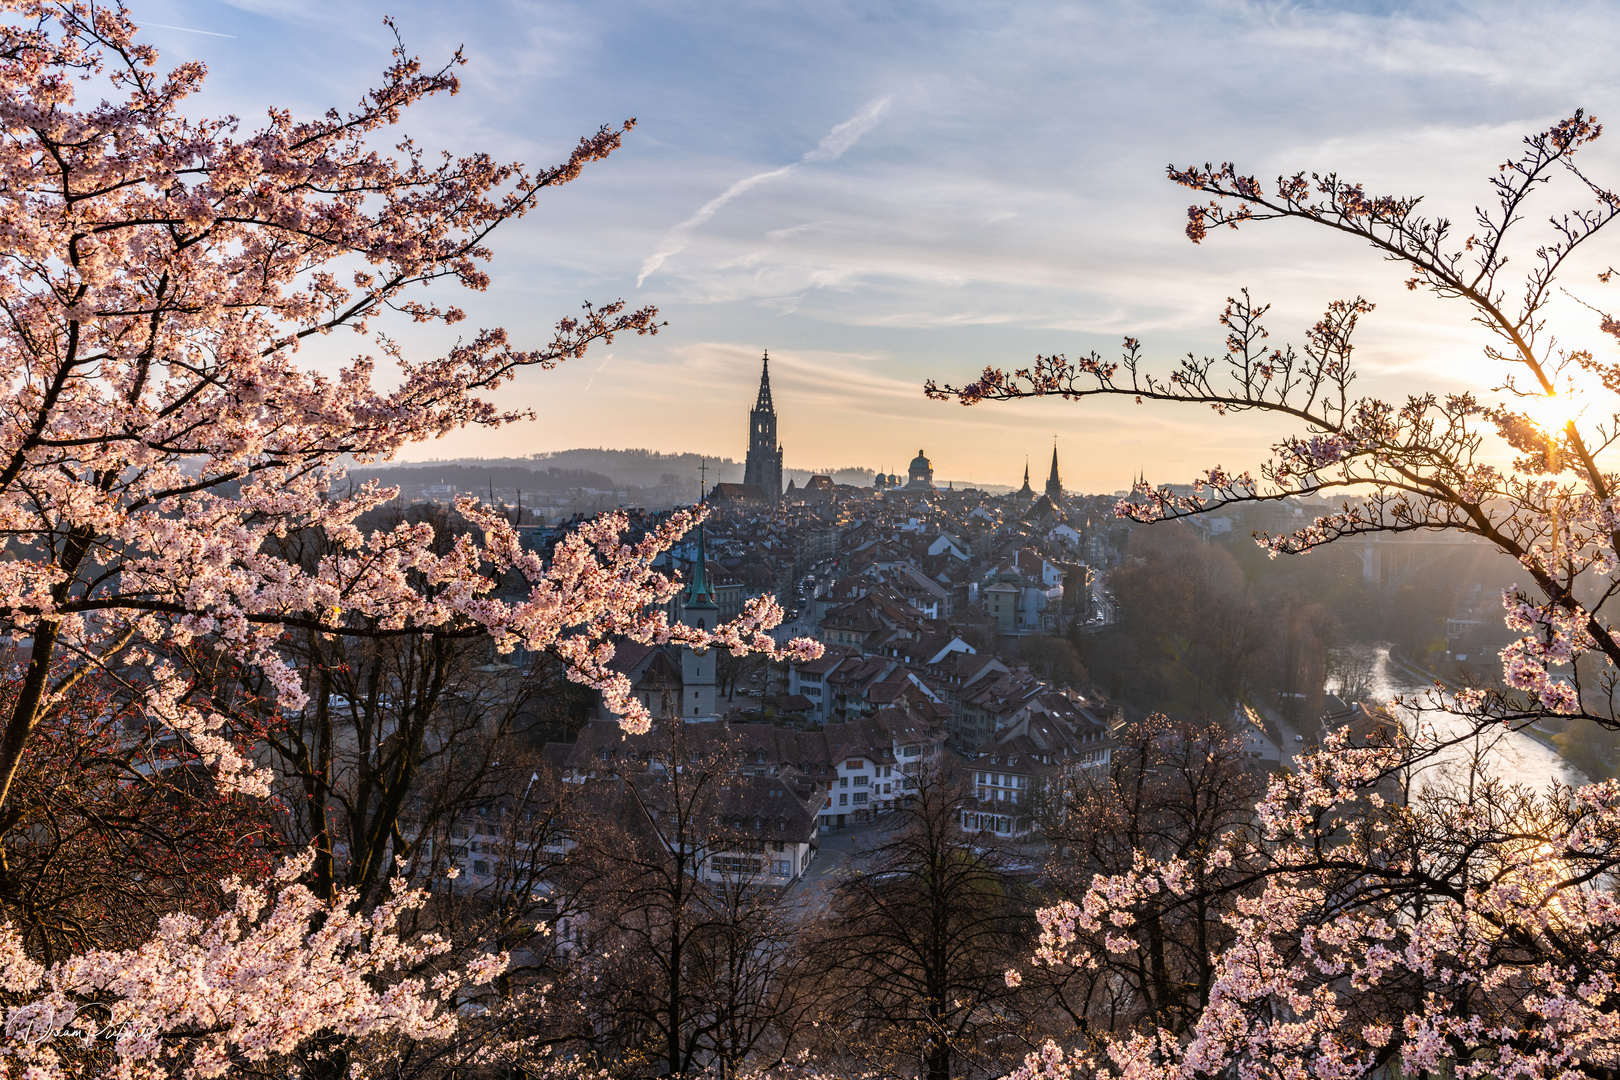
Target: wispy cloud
[830,148]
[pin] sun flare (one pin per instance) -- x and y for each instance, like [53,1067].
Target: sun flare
[1555,412]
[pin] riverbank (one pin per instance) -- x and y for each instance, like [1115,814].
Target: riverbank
[1411,667]
[1536,733]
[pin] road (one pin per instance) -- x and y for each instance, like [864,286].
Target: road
[838,847]
[1291,745]
[833,855]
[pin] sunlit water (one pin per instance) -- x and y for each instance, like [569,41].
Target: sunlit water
[1511,756]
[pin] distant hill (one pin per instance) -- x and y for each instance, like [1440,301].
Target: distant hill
[647,468]
[645,477]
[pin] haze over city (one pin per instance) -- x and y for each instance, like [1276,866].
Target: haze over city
[883,194]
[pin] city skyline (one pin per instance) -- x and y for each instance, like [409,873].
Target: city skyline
[883,197]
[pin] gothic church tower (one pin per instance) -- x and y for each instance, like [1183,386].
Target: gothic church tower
[764,463]
[1054,486]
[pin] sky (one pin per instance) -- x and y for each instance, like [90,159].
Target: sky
[880,193]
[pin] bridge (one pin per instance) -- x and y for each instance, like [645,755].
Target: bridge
[1390,560]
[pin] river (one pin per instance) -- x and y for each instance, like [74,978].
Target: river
[1510,755]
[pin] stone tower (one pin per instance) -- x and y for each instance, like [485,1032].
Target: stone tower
[764,463]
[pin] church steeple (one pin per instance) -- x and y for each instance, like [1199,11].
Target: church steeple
[763,466]
[763,402]
[1026,493]
[698,609]
[1054,486]
[699,593]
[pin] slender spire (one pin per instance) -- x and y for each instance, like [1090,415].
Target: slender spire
[700,593]
[1054,486]
[764,400]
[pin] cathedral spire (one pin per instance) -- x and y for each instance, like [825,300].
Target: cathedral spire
[1054,486]
[763,466]
[764,399]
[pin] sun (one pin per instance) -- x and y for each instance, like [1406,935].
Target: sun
[1554,412]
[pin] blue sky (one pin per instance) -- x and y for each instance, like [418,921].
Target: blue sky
[921,189]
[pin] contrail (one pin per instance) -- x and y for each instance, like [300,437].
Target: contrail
[830,148]
[187,29]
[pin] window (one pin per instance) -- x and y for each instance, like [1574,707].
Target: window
[885,789]
[759,823]
[759,757]
[782,868]
[862,781]
[888,771]
[843,800]
[481,867]
[843,781]
[860,798]
[781,826]
[981,778]
[731,864]
[854,763]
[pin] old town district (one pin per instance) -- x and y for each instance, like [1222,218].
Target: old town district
[926,600]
